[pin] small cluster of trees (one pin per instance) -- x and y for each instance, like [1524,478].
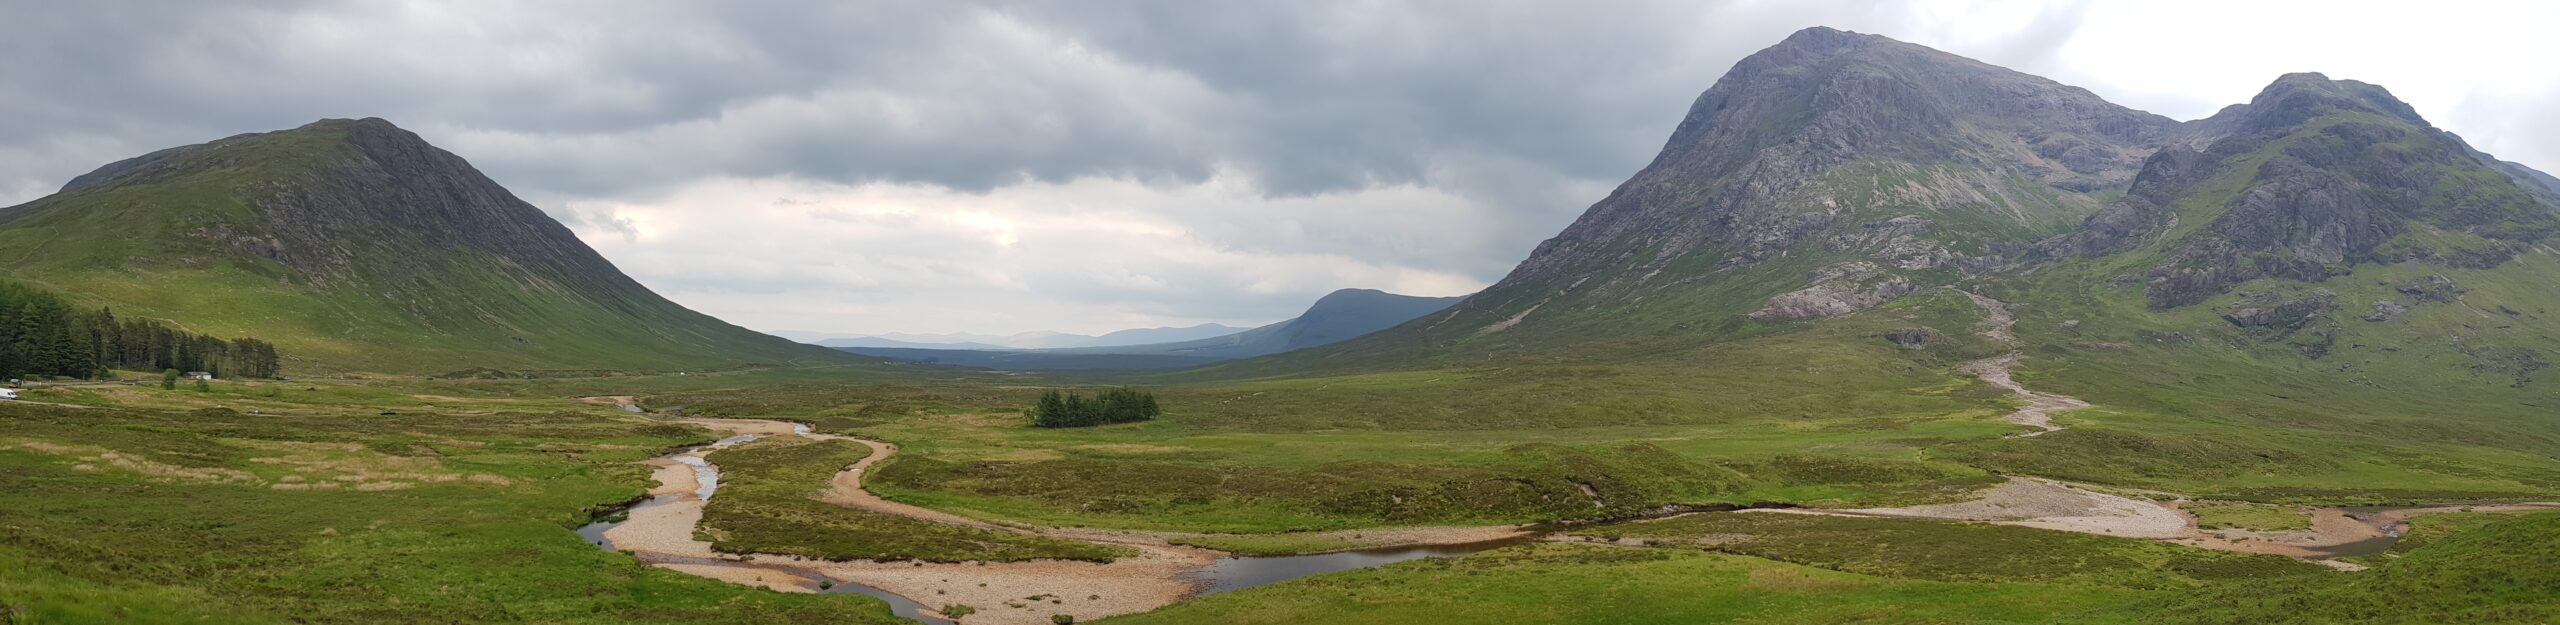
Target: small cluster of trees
[1067,410]
[40,334]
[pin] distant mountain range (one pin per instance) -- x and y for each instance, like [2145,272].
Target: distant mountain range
[1025,340]
[1338,316]
[353,245]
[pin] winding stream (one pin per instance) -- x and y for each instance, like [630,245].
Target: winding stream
[660,531]
[1002,592]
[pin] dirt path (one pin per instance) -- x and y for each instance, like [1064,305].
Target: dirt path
[2056,505]
[2041,406]
[1999,325]
[1996,324]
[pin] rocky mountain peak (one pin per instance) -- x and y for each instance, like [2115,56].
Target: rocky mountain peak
[1824,140]
[2316,175]
[2298,97]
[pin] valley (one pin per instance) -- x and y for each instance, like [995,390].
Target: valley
[1881,335]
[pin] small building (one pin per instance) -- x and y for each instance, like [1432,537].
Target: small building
[199,375]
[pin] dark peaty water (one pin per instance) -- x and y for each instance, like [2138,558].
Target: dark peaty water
[1241,572]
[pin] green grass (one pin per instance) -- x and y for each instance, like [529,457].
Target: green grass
[768,504]
[2439,405]
[1585,584]
[1180,474]
[202,533]
[2497,573]
[1955,551]
[1911,571]
[2249,516]
[2427,529]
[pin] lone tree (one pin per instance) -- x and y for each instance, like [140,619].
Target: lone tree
[1068,410]
[169,380]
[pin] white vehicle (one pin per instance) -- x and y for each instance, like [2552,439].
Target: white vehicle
[8,393]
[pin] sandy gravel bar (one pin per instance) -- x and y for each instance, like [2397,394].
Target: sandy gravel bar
[2048,504]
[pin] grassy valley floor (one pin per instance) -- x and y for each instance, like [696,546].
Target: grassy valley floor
[388,500]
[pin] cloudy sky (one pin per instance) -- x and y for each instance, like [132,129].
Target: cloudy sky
[940,166]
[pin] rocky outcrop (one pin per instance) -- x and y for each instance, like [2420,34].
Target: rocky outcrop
[1903,243]
[2279,312]
[1911,338]
[2386,310]
[2297,318]
[2432,288]
[1837,290]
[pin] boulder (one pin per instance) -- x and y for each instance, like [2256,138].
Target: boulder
[2386,310]
[1911,338]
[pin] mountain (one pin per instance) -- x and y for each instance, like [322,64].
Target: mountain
[1338,316]
[1033,359]
[1831,173]
[353,245]
[1149,336]
[2312,295]
[2314,178]
[874,341]
[1032,340]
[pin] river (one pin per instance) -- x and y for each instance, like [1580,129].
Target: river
[1207,576]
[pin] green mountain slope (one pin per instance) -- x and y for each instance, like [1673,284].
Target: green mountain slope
[356,246]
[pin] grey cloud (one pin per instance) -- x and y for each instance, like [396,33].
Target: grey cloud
[1506,118]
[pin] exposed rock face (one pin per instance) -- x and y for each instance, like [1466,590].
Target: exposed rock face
[1911,338]
[1892,168]
[2386,310]
[1837,290]
[2433,288]
[2296,318]
[2336,173]
[2279,312]
[1739,179]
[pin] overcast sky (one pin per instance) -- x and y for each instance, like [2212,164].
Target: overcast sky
[940,166]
